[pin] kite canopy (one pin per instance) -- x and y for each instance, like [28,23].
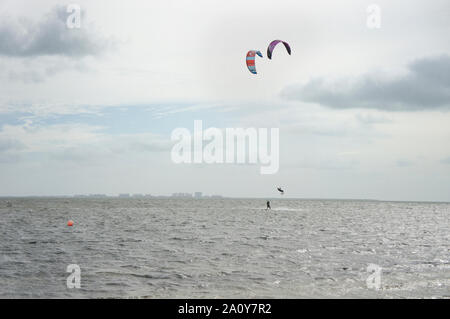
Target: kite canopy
[251,60]
[272,46]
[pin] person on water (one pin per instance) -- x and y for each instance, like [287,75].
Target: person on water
[268,205]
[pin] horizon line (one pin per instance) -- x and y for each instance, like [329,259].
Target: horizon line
[215,196]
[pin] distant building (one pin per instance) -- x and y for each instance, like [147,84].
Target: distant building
[198,195]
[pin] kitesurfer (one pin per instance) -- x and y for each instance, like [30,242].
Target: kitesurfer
[268,205]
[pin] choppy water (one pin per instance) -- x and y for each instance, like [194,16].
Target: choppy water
[230,248]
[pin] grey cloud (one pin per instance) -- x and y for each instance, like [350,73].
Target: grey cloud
[445,160]
[426,86]
[49,36]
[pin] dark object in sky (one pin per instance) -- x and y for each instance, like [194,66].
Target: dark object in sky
[272,46]
[250,60]
[280,190]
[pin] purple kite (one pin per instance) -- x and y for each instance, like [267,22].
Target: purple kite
[272,46]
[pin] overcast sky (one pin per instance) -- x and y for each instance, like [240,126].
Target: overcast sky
[363,113]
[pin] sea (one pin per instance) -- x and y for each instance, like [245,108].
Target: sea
[223,248]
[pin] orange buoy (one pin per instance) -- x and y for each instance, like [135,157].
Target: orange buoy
[70,223]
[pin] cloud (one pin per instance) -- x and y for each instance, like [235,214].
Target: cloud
[404,163]
[75,142]
[139,143]
[9,144]
[23,110]
[445,160]
[108,148]
[425,86]
[39,69]
[322,162]
[10,149]
[49,37]
[370,119]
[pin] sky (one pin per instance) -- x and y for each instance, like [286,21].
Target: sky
[362,112]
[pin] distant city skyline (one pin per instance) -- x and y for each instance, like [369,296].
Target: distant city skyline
[140,195]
